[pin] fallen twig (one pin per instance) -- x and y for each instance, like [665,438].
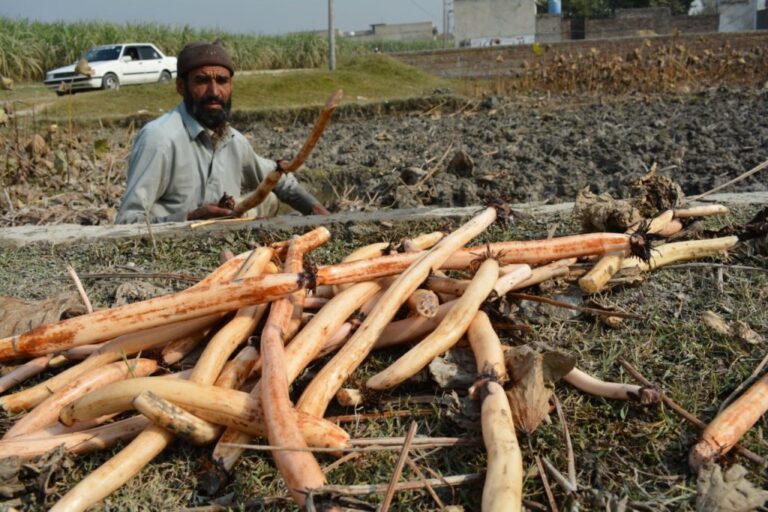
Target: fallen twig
[431,490]
[744,452]
[568,443]
[737,179]
[398,468]
[583,309]
[141,275]
[544,480]
[359,490]
[752,377]
[80,289]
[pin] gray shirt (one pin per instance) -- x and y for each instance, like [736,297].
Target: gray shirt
[175,167]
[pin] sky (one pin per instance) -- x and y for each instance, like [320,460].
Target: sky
[240,16]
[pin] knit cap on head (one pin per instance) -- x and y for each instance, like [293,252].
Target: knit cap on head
[200,53]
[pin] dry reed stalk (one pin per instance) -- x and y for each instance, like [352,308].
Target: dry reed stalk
[729,426]
[24,371]
[111,351]
[175,419]
[423,303]
[453,327]
[80,289]
[86,441]
[485,344]
[701,211]
[153,439]
[48,411]
[180,348]
[503,489]
[390,494]
[300,470]
[593,386]
[681,251]
[363,489]
[324,386]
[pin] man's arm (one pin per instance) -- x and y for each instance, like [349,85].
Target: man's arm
[148,177]
[291,192]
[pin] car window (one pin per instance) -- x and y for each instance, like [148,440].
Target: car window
[102,53]
[132,52]
[148,53]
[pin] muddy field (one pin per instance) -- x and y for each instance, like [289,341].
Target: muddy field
[471,153]
[535,150]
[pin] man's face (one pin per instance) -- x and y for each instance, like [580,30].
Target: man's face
[207,93]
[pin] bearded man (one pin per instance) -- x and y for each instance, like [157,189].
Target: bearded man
[183,163]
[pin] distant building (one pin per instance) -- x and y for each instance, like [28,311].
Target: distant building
[395,32]
[492,22]
[737,15]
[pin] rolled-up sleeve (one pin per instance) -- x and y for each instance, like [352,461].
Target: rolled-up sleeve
[149,174]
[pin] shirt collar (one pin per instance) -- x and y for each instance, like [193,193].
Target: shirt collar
[193,126]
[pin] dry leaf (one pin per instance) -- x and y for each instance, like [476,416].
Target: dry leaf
[716,323]
[531,382]
[745,333]
[730,492]
[17,316]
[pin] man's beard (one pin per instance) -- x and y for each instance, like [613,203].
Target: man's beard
[213,119]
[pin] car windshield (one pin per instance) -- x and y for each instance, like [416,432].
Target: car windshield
[102,53]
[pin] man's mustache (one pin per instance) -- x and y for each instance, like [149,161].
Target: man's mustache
[208,100]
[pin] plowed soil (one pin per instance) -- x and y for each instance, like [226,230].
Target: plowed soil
[517,150]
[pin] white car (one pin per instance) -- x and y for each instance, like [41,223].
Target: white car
[112,66]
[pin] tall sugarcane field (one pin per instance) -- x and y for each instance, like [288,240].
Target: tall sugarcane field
[540,290]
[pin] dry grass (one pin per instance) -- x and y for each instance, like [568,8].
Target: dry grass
[620,448]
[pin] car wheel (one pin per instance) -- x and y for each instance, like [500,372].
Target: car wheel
[165,76]
[110,81]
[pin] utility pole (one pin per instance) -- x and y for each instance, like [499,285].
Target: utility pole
[331,38]
[445,22]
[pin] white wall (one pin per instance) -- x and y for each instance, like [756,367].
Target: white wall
[737,15]
[493,18]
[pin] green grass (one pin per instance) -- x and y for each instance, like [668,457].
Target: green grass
[369,79]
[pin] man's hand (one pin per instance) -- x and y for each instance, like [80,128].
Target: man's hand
[319,209]
[210,211]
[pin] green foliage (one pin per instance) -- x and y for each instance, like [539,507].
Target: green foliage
[604,8]
[28,49]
